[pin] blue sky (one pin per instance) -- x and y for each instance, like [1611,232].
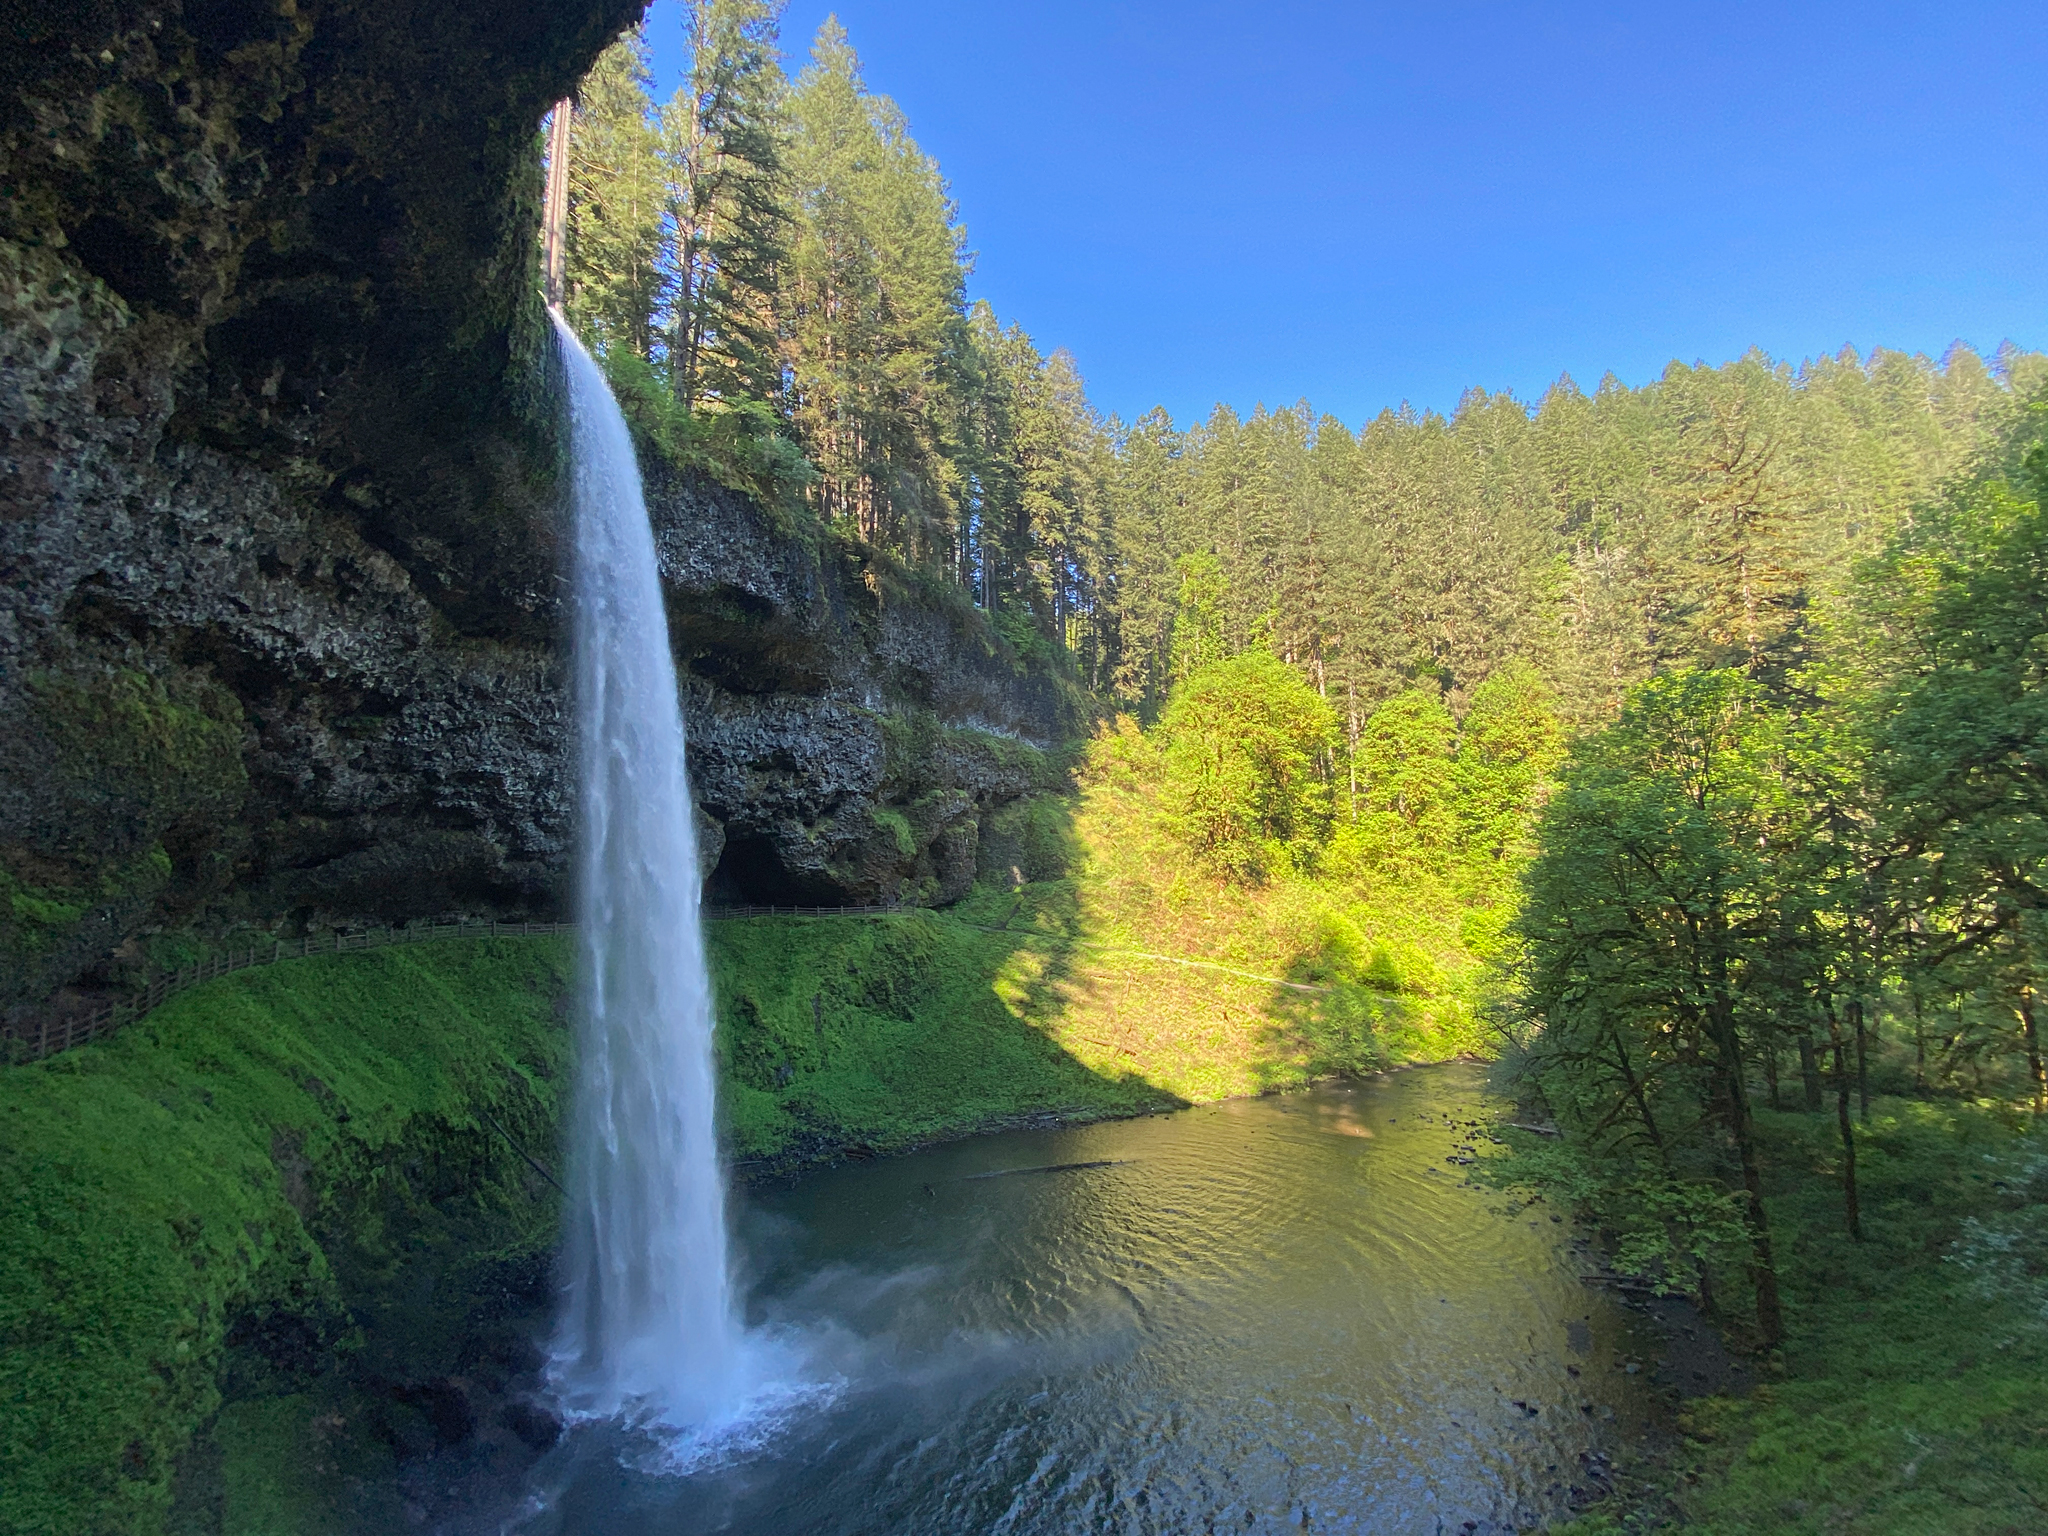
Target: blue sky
[1363,205]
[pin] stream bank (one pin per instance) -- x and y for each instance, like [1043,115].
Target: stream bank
[302,1216]
[309,1205]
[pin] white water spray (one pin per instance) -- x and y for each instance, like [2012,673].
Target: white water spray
[647,1331]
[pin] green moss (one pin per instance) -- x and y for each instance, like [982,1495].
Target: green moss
[137,760]
[1041,768]
[909,737]
[38,909]
[898,826]
[35,919]
[921,752]
[248,1152]
[278,1475]
[130,724]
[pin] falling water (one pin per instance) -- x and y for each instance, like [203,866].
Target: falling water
[647,1330]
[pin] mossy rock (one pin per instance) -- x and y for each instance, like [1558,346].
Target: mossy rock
[139,783]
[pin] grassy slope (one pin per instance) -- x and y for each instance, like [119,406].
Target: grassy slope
[881,1033]
[304,1143]
[1296,977]
[152,1190]
[1909,1405]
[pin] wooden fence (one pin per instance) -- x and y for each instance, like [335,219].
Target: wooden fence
[48,1036]
[719,914]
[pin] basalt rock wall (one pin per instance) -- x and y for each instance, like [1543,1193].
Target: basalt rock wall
[280,533]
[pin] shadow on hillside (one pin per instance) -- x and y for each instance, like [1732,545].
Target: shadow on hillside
[1130,964]
[854,1036]
[1323,1027]
[1088,973]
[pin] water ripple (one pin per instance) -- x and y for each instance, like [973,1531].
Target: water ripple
[1249,1317]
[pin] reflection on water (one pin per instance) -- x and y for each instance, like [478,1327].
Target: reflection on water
[1272,1314]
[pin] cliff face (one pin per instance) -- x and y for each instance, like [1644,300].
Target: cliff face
[850,734]
[280,599]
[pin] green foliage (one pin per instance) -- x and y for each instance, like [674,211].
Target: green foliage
[1211,983]
[236,1156]
[1022,634]
[617,198]
[1671,1230]
[1650,918]
[1246,746]
[2004,1251]
[1510,744]
[1959,710]
[1908,1398]
[1198,616]
[1823,856]
[724,140]
[789,249]
[873,311]
[1701,518]
[1404,812]
[743,446]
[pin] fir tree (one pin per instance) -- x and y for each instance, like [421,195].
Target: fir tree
[616,223]
[724,137]
[873,312]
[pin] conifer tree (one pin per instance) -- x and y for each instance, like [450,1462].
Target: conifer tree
[1143,492]
[616,223]
[793,248]
[873,312]
[724,137]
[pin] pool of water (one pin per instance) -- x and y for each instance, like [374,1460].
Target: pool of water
[1275,1314]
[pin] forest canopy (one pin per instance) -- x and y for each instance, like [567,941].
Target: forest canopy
[777,276]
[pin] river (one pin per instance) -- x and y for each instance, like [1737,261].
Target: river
[1287,1313]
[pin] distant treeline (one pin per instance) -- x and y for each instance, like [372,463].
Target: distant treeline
[776,265]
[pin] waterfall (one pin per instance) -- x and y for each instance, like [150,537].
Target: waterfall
[647,1330]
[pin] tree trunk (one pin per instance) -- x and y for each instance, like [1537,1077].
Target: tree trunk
[1809,1068]
[1862,1060]
[555,227]
[1771,1075]
[1763,1270]
[1919,1048]
[1851,1209]
[2024,1007]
